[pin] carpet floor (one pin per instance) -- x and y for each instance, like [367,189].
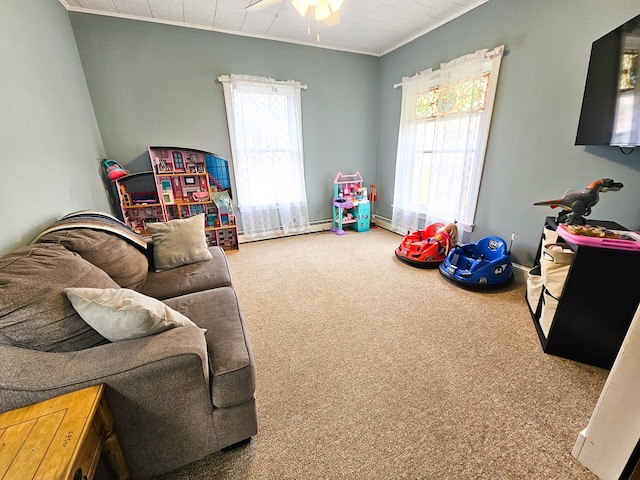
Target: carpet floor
[369,368]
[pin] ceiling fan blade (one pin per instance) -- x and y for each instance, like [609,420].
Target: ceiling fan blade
[260,4]
[333,20]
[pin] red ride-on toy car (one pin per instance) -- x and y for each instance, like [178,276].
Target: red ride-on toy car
[429,247]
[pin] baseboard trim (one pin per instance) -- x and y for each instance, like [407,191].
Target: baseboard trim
[319,226]
[520,273]
[577,448]
[383,223]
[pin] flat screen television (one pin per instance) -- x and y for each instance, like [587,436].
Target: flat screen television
[610,112]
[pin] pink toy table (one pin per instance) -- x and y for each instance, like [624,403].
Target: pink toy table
[632,243]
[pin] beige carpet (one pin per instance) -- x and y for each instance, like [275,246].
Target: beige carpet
[372,369]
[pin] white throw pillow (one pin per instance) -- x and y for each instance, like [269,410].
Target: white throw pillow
[179,242]
[121,314]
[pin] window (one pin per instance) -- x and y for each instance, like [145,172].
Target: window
[177,161]
[265,128]
[443,132]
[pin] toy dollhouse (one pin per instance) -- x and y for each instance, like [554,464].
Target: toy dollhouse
[350,205]
[187,182]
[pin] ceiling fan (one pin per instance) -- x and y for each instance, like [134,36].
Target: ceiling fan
[325,10]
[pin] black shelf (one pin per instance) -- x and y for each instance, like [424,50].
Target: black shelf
[599,299]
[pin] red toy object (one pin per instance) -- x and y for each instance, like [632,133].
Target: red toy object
[429,247]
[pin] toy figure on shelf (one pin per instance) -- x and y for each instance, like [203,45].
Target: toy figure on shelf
[576,205]
[428,248]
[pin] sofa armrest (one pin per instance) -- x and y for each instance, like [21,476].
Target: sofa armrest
[26,370]
[157,388]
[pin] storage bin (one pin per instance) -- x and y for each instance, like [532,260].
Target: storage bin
[534,288]
[549,236]
[549,307]
[555,262]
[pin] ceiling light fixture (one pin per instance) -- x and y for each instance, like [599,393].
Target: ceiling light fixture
[301,6]
[324,11]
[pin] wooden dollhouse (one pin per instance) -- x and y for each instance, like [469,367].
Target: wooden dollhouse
[186,182]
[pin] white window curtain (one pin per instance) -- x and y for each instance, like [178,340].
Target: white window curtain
[265,129]
[444,126]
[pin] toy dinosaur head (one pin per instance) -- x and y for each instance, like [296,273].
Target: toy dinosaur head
[606,185]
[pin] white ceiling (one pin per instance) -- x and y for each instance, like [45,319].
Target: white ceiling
[374,27]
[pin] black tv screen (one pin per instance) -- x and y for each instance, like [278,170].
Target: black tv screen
[610,112]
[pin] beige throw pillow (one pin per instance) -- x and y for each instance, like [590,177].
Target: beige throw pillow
[179,242]
[122,314]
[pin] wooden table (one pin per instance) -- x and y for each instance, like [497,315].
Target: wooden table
[60,438]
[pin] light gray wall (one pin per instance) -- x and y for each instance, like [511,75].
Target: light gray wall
[50,145]
[531,154]
[156,84]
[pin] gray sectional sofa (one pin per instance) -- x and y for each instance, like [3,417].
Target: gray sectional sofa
[176,396]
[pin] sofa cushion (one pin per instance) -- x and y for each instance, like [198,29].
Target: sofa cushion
[231,361]
[191,278]
[122,314]
[34,311]
[122,261]
[178,242]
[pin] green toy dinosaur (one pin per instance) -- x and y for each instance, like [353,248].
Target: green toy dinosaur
[576,205]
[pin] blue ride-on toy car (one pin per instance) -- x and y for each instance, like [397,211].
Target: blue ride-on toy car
[482,265]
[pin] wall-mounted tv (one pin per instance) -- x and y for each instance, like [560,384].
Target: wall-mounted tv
[611,104]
